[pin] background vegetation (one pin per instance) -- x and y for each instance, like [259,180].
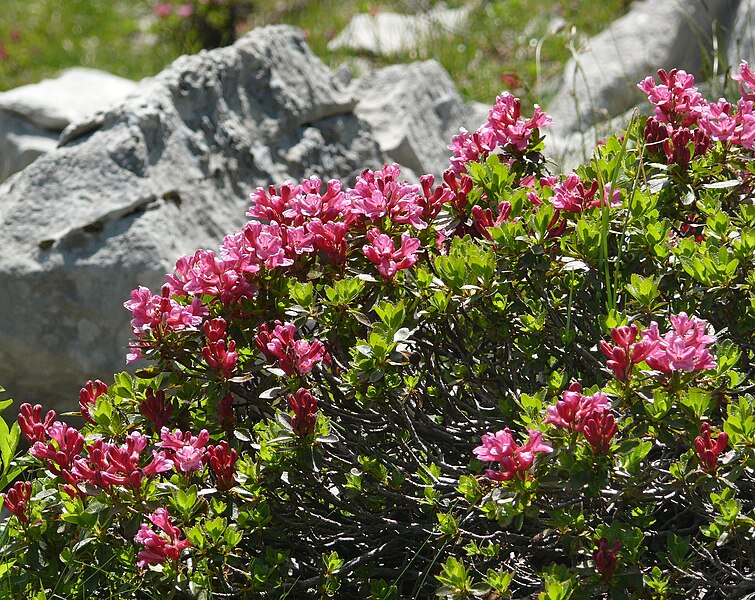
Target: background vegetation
[512,45]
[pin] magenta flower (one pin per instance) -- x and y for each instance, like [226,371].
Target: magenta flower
[17,499]
[514,461]
[162,545]
[708,450]
[484,220]
[162,10]
[684,348]
[383,253]
[605,557]
[293,356]
[185,450]
[676,99]
[33,428]
[65,445]
[88,396]
[161,314]
[226,416]
[226,277]
[746,80]
[627,352]
[599,428]
[222,459]
[304,406]
[219,353]
[505,129]
[572,412]
[156,408]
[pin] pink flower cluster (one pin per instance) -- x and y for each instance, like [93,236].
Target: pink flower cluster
[679,107]
[88,396]
[572,196]
[605,557]
[219,353]
[589,415]
[514,461]
[294,356]
[505,129]
[17,499]
[304,406]
[165,544]
[105,464]
[390,260]
[156,408]
[683,348]
[289,226]
[708,450]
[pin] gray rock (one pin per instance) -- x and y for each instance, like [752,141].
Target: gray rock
[388,33]
[32,116]
[414,110]
[600,83]
[168,170]
[165,172]
[741,40]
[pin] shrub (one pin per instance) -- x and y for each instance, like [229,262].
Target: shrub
[503,384]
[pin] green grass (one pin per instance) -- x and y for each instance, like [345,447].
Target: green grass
[509,45]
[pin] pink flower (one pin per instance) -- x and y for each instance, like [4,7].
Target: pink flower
[484,221]
[88,396]
[33,428]
[185,11]
[159,546]
[746,80]
[627,352]
[708,450]
[505,129]
[162,10]
[66,444]
[219,353]
[605,557]
[304,406]
[676,99]
[17,499]
[684,348]
[382,252]
[330,237]
[222,460]
[186,451]
[226,416]
[573,411]
[226,277]
[571,195]
[156,408]
[599,428]
[514,461]
[292,355]
[161,315]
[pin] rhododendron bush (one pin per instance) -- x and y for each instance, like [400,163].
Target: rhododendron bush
[507,383]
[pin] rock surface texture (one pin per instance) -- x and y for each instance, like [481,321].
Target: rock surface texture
[32,116]
[599,84]
[387,33]
[168,171]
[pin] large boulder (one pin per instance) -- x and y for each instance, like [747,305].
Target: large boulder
[741,40]
[389,99]
[599,83]
[163,173]
[389,33]
[32,116]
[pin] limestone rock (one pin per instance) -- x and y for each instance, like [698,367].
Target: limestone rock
[168,170]
[600,83]
[32,116]
[414,111]
[163,173]
[741,40]
[387,33]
